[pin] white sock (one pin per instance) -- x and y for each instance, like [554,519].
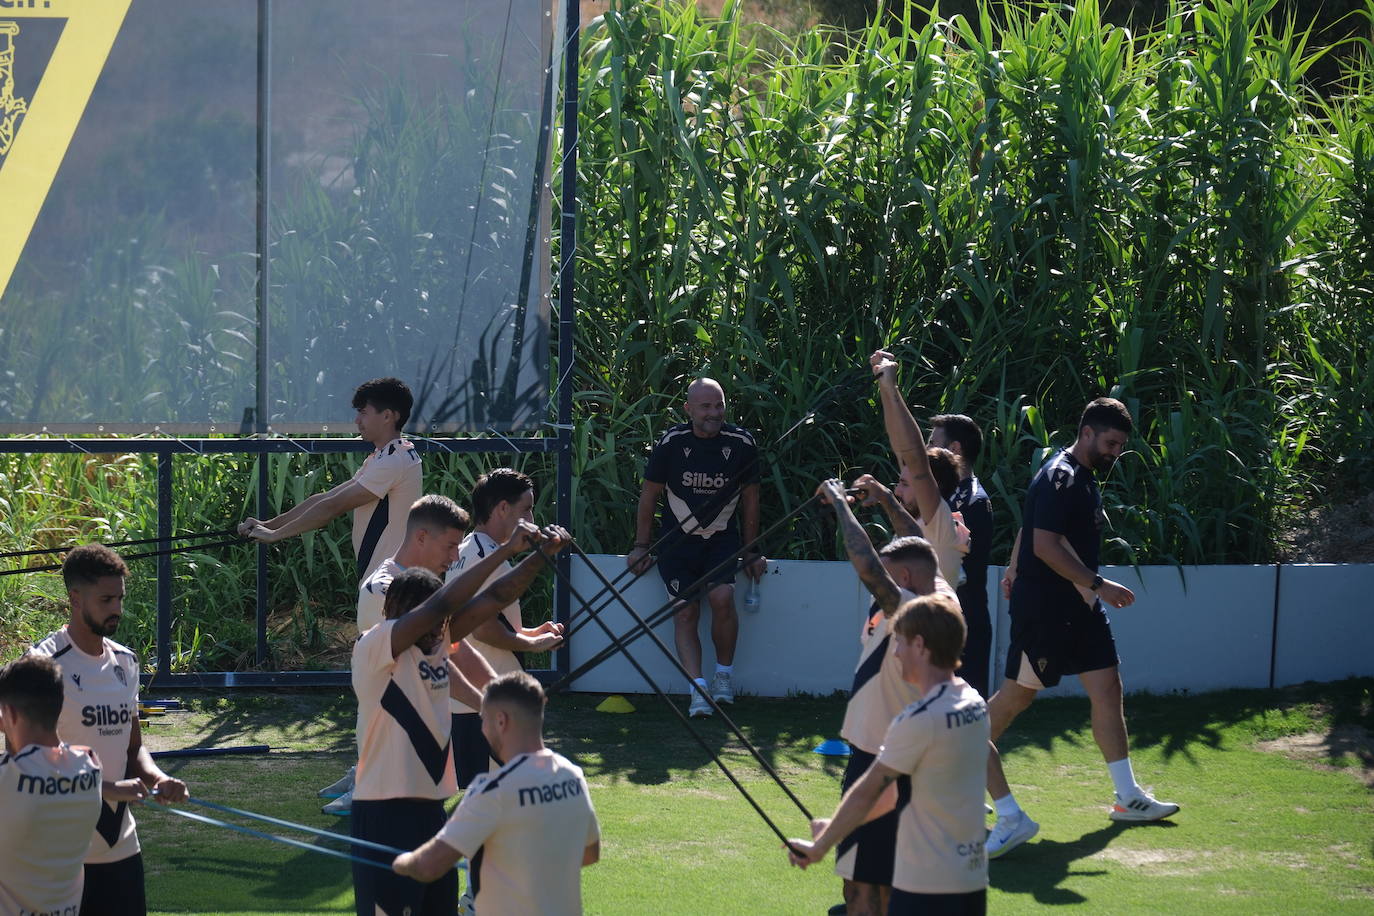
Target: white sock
[1123,778]
[1006,806]
[725,669]
[698,680]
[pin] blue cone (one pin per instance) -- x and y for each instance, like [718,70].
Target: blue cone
[833,748]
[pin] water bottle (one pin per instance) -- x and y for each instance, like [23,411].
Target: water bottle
[751,597]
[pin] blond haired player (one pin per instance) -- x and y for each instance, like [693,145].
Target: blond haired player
[528,828]
[100,711]
[935,752]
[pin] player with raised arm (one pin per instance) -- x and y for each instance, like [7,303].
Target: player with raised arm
[933,754]
[501,500]
[100,711]
[403,678]
[904,568]
[380,494]
[528,828]
[1058,624]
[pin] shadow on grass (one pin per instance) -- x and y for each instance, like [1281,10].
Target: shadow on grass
[651,745]
[302,877]
[327,715]
[1175,722]
[1039,868]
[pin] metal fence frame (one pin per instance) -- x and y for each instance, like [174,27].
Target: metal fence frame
[263,444]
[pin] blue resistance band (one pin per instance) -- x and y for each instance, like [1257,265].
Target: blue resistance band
[299,844]
[367,844]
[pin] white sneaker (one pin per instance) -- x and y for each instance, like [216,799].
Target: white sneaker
[1008,833]
[722,690]
[1142,807]
[340,788]
[341,806]
[699,706]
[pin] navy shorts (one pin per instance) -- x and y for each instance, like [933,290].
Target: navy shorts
[1053,633]
[867,855]
[684,560]
[114,888]
[905,903]
[404,823]
[471,753]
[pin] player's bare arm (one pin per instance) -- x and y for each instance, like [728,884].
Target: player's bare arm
[639,560]
[456,593]
[860,549]
[591,854]
[141,766]
[474,666]
[525,639]
[428,863]
[905,436]
[877,494]
[855,808]
[1051,548]
[312,513]
[124,790]
[1009,575]
[462,689]
[512,585]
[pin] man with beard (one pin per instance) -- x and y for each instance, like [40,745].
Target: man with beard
[100,711]
[1055,630]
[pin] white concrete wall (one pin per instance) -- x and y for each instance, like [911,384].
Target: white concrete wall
[1195,628]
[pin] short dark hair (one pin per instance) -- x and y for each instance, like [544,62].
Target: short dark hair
[946,468]
[503,485]
[963,430]
[911,549]
[407,590]
[85,564]
[1103,414]
[386,394]
[519,690]
[938,620]
[32,684]
[436,513]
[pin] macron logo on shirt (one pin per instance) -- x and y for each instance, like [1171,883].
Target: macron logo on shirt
[558,791]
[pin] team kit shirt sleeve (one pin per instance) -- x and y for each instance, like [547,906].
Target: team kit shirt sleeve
[939,744]
[520,828]
[372,594]
[392,474]
[474,548]
[50,799]
[944,537]
[702,478]
[99,709]
[403,722]
[878,692]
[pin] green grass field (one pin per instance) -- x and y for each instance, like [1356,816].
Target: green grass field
[1275,786]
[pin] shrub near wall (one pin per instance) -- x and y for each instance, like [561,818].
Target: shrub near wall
[1032,211]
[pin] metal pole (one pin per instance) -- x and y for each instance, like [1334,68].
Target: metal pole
[164,563]
[264,242]
[567,252]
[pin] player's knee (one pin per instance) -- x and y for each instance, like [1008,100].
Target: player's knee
[688,613]
[722,599]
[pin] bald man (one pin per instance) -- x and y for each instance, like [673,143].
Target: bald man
[708,473]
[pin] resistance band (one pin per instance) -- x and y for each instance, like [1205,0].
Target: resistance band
[687,722]
[133,556]
[175,537]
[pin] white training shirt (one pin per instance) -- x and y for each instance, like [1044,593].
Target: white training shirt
[524,828]
[474,548]
[949,547]
[878,692]
[99,710]
[50,798]
[403,723]
[941,743]
[392,474]
[372,593]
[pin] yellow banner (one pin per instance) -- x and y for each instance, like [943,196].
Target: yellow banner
[37,124]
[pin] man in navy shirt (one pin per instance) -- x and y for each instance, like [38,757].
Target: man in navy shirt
[707,472]
[962,436]
[1058,625]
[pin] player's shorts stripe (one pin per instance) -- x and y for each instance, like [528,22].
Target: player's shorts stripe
[433,756]
[376,526]
[110,822]
[870,667]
